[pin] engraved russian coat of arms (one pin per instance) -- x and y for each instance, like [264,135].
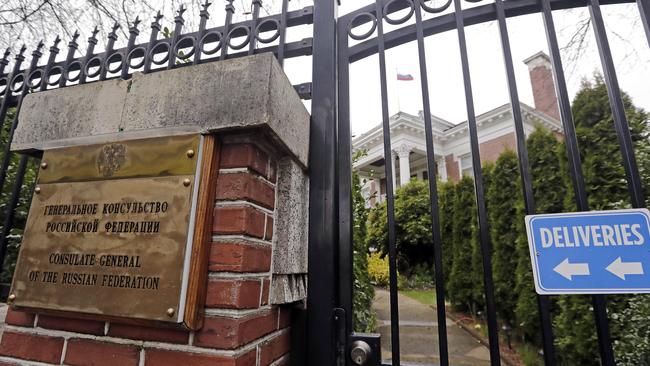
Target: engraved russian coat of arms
[110,159]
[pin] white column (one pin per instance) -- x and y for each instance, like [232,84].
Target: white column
[442,170]
[404,165]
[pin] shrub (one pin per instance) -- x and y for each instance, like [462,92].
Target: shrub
[412,227]
[363,316]
[378,269]
[421,277]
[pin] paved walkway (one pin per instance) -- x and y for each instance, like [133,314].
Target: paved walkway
[419,334]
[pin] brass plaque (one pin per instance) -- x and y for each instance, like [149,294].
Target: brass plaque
[116,244]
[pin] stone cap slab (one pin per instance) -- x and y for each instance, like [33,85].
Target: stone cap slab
[242,93]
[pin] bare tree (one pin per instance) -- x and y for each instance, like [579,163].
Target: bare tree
[622,28]
[27,21]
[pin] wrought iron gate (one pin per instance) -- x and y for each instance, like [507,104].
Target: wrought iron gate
[329,337]
[412,27]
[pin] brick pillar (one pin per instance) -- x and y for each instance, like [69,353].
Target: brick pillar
[541,79]
[240,328]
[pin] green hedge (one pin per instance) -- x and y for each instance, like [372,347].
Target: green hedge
[606,186]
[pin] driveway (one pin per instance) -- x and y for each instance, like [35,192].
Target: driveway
[419,335]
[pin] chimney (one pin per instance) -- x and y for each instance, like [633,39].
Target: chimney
[541,79]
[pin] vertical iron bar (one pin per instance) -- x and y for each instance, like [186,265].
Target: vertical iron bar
[618,110]
[486,251]
[6,159]
[602,328]
[283,32]
[205,15]
[225,39]
[433,191]
[629,161]
[323,205]
[133,35]
[72,49]
[253,27]
[543,302]
[11,209]
[524,169]
[522,151]
[92,42]
[346,219]
[644,10]
[573,151]
[178,27]
[390,190]
[112,37]
[4,107]
[54,51]
[4,61]
[571,140]
[153,38]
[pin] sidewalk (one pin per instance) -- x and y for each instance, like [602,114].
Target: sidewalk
[419,334]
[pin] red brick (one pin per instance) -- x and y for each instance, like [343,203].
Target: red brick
[244,156]
[31,347]
[239,220]
[268,235]
[233,294]
[541,78]
[83,352]
[159,357]
[491,149]
[71,325]
[453,173]
[148,333]
[229,333]
[239,257]
[274,348]
[266,284]
[245,186]
[273,171]
[20,318]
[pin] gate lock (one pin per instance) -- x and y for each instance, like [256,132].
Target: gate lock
[365,349]
[360,352]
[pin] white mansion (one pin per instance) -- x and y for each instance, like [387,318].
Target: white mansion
[451,141]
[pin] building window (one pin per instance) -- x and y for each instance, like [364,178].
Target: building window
[466,165]
[425,175]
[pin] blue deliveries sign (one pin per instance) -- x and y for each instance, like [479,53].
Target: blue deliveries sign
[593,252]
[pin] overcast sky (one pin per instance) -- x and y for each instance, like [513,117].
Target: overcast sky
[629,46]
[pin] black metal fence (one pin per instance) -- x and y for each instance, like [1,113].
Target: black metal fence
[329,317]
[412,27]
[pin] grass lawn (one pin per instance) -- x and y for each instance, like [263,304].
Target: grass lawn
[425,296]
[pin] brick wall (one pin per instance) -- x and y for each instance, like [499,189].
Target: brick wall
[541,78]
[453,173]
[491,149]
[240,327]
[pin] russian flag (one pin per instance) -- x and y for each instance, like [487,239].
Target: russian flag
[404,77]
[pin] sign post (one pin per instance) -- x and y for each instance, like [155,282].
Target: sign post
[595,252]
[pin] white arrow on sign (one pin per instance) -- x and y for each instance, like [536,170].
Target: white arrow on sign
[620,268]
[567,270]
